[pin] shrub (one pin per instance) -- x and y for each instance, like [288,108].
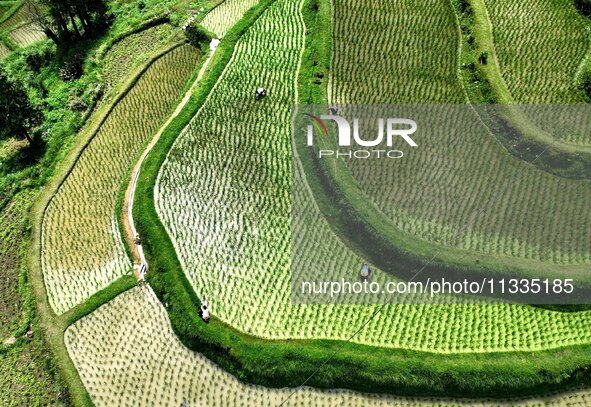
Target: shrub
[584,79]
[72,68]
[197,35]
[584,6]
[39,56]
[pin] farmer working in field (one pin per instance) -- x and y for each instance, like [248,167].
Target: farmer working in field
[365,271]
[205,311]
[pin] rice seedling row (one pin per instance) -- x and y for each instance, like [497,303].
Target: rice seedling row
[475,186]
[127,355]
[223,17]
[471,167]
[82,251]
[540,45]
[224,196]
[4,50]
[26,35]
[130,51]
[403,52]
[18,18]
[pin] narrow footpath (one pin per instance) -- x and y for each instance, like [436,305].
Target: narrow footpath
[131,235]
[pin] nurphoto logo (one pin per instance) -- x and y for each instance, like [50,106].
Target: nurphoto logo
[388,130]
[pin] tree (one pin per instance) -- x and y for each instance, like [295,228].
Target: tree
[40,18]
[17,114]
[67,20]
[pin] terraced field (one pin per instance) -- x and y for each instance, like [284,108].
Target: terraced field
[540,45]
[19,30]
[231,224]
[4,50]
[225,196]
[82,248]
[126,350]
[131,51]
[223,17]
[404,52]
[26,35]
[469,173]
[18,18]
[132,374]
[501,203]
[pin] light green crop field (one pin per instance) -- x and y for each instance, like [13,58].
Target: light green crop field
[223,17]
[127,355]
[82,251]
[463,184]
[26,35]
[224,197]
[476,196]
[540,45]
[130,51]
[404,52]
[4,50]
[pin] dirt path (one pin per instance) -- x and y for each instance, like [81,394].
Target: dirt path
[128,223]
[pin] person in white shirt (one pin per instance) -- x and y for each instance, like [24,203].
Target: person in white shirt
[204,311]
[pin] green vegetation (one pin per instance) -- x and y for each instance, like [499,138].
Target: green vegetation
[583,78]
[28,377]
[53,327]
[18,115]
[155,354]
[584,7]
[225,250]
[315,71]
[82,249]
[68,21]
[16,27]
[26,35]
[223,17]
[16,16]
[420,40]
[539,44]
[283,363]
[484,84]
[131,51]
[403,209]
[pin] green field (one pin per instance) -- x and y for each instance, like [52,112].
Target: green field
[225,247]
[404,52]
[82,248]
[14,20]
[99,345]
[214,210]
[540,45]
[462,184]
[26,35]
[28,376]
[130,51]
[224,16]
